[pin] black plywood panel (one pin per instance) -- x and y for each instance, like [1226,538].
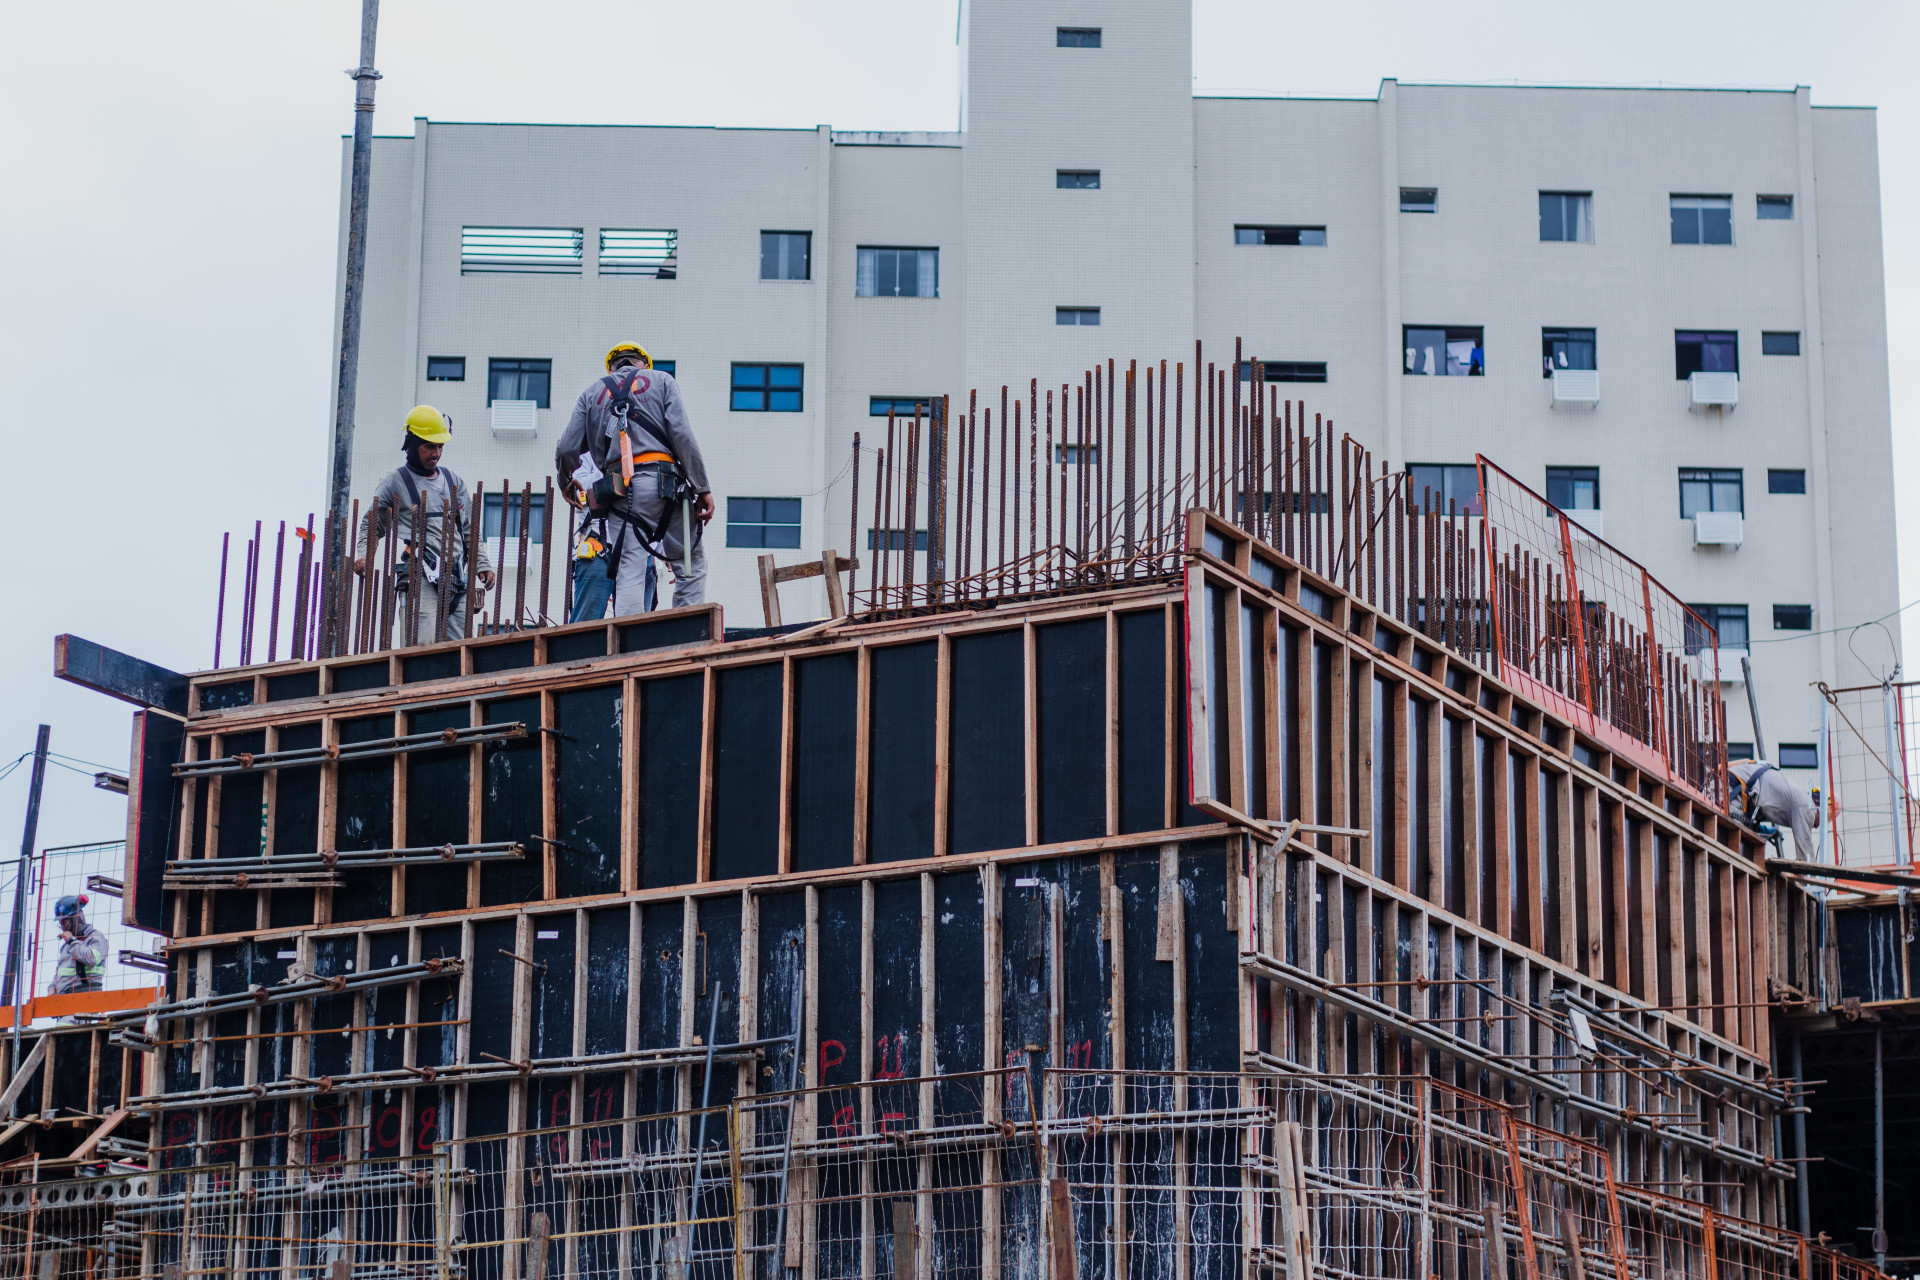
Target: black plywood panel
[782,963]
[387,1006]
[901,746]
[508,656]
[1071,666]
[669,808]
[1026,961]
[587,791]
[896,980]
[333,957]
[364,821]
[718,965]
[838,1018]
[576,645]
[1213,961]
[662,929]
[494,972]
[242,831]
[358,676]
[439,1000]
[227,696]
[294,684]
[1148,983]
[510,805]
[437,811]
[988,802]
[609,932]
[825,707]
[155,798]
[1085,986]
[1184,814]
[1143,720]
[296,824]
[746,771]
[959,973]
[415,668]
[691,628]
[550,1031]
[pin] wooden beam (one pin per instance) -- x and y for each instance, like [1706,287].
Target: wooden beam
[769,591]
[93,1139]
[18,1083]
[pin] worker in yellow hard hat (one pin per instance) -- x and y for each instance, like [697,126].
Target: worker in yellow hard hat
[438,563]
[629,455]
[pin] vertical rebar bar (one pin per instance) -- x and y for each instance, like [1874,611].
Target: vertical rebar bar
[220,599]
[1128,513]
[546,555]
[853,524]
[520,547]
[909,571]
[273,612]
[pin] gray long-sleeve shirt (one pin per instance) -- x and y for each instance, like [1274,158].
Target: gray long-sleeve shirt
[1781,802]
[435,491]
[657,423]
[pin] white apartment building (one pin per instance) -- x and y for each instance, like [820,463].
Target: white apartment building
[1664,304]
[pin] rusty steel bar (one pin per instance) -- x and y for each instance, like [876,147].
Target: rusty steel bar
[853,522]
[273,612]
[220,600]
[546,555]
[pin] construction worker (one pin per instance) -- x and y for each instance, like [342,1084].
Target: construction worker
[593,573]
[646,476]
[422,482]
[83,948]
[1765,795]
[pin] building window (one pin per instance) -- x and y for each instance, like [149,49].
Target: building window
[490,514]
[1739,751]
[670,367]
[1705,351]
[1711,489]
[446,368]
[1077,179]
[1574,488]
[899,406]
[640,253]
[1286,370]
[1793,617]
[1432,485]
[1076,315]
[1786,480]
[1701,219]
[521,250]
[1799,755]
[1290,236]
[1076,37]
[766,388]
[896,273]
[763,523]
[1453,352]
[519,380]
[1566,349]
[1729,623]
[1072,455]
[895,539]
[1775,208]
[1779,344]
[1419,199]
[1567,215]
[786,255]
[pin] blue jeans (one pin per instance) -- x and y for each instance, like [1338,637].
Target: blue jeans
[593,586]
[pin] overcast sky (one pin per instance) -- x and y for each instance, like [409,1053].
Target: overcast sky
[169,187]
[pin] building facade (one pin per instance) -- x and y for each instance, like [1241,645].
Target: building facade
[1661,304]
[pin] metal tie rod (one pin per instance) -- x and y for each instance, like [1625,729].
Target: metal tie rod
[330,859]
[305,989]
[247,761]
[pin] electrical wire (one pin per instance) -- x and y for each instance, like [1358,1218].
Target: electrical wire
[1808,635]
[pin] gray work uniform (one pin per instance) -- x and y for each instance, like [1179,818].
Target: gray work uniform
[83,959]
[437,492]
[1781,802]
[657,423]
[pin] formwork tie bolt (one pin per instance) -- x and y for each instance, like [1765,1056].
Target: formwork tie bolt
[446,850]
[246,759]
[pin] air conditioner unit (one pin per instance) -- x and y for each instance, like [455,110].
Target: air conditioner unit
[1718,528]
[1576,386]
[516,417]
[1719,664]
[1713,390]
[1593,522]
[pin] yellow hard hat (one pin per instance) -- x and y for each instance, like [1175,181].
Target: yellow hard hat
[634,347]
[429,424]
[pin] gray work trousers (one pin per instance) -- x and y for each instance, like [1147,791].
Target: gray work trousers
[405,634]
[647,500]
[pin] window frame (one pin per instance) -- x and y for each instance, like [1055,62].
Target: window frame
[766,388]
[1794,751]
[446,360]
[1281,235]
[1450,472]
[1273,371]
[1716,615]
[1774,335]
[880,406]
[896,539]
[1574,476]
[860,274]
[1565,335]
[1713,478]
[1585,222]
[493,362]
[1060,177]
[1451,333]
[1415,205]
[1706,337]
[544,251]
[1699,211]
[806,257]
[1804,611]
[1074,37]
[657,266]
[1079,313]
[763,525]
[1763,202]
[497,509]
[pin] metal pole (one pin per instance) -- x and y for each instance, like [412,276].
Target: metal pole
[1801,1192]
[15,943]
[1753,710]
[363,81]
[1896,773]
[1879,1157]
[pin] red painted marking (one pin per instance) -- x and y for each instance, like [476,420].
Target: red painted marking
[839,1055]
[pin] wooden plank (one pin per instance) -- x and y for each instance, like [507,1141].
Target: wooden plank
[769,591]
[862,754]
[1166,938]
[21,1073]
[815,569]
[119,675]
[943,745]
[92,1140]
[830,566]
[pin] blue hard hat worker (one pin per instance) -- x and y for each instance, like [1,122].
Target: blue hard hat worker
[83,948]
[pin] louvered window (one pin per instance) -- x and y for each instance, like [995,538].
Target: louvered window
[640,253]
[521,250]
